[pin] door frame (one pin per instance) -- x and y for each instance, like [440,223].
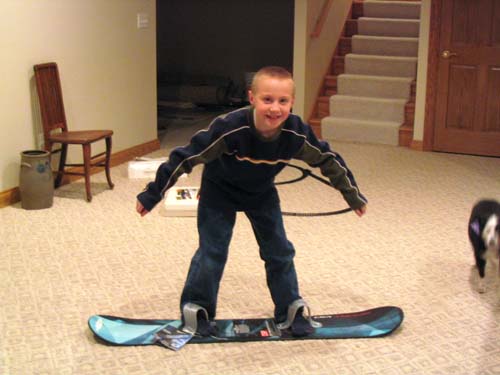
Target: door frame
[432,74]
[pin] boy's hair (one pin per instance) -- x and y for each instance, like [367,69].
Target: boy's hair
[271,71]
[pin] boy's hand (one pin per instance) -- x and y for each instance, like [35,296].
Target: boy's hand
[140,209]
[361,211]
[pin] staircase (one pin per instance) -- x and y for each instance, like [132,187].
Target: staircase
[370,95]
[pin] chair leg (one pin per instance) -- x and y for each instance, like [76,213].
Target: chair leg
[62,163]
[86,167]
[108,162]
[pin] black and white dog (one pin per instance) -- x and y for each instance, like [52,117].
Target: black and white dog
[484,235]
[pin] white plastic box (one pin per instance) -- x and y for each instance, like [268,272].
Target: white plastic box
[144,167]
[180,201]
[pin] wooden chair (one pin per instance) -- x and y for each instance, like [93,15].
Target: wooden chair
[55,129]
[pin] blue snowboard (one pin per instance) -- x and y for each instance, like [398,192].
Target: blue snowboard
[377,322]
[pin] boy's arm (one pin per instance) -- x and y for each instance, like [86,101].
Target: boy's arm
[204,146]
[318,154]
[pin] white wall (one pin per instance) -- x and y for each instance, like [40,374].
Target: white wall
[299,56]
[320,50]
[423,55]
[312,56]
[107,67]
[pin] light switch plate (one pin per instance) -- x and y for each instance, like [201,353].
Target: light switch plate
[142,20]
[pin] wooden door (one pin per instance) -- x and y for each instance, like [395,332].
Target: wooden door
[467,117]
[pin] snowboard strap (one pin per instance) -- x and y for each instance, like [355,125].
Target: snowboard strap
[175,338]
[293,308]
[190,312]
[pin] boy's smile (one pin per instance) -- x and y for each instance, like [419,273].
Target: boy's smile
[272,100]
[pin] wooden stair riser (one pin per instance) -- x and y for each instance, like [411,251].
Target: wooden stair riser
[351,27]
[330,92]
[357,9]
[331,81]
[338,65]
[410,114]
[330,85]
[405,135]
[323,107]
[345,45]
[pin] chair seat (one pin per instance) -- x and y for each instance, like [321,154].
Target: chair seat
[80,136]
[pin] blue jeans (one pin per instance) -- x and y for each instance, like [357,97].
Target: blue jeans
[215,228]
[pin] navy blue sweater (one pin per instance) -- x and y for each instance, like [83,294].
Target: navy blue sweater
[240,164]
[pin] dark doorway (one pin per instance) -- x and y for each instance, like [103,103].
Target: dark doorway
[207,50]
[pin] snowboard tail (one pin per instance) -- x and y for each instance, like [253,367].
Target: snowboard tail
[377,322]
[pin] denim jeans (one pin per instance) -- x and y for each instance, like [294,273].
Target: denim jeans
[215,228]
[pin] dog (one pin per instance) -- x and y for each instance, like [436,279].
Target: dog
[484,235]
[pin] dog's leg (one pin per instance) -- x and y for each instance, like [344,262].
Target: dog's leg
[481,286]
[478,246]
[481,265]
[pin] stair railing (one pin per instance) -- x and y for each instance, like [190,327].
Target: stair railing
[321,18]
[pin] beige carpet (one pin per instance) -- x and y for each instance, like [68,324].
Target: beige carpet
[60,265]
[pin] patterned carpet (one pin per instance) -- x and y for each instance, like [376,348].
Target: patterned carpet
[60,265]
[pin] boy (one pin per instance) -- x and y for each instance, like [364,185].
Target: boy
[243,151]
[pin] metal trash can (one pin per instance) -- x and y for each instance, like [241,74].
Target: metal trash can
[36,184]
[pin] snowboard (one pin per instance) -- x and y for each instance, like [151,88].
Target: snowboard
[376,322]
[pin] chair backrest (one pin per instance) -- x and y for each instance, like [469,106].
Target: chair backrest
[48,86]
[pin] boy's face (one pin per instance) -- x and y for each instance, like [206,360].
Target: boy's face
[272,100]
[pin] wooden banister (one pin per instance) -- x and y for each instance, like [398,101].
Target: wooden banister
[321,18]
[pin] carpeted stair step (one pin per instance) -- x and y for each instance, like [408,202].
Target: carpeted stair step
[379,65]
[384,45]
[374,86]
[393,66]
[388,27]
[391,9]
[353,130]
[365,108]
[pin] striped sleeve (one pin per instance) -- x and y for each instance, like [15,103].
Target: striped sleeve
[205,146]
[317,153]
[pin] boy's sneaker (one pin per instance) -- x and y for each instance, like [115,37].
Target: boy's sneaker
[204,326]
[300,325]
[195,321]
[296,322]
